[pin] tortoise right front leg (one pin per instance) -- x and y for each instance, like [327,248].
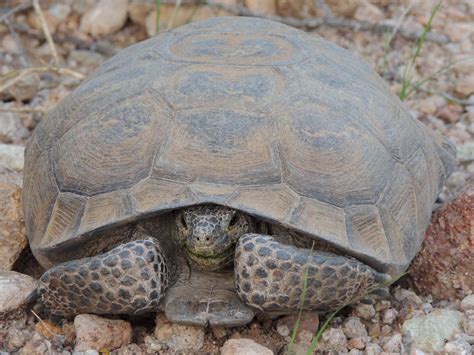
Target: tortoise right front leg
[272,276]
[129,279]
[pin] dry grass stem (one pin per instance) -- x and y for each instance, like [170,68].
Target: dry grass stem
[15,76]
[24,109]
[44,324]
[46,32]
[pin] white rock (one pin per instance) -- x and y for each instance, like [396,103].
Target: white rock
[354,328]
[389,315]
[467,303]
[244,347]
[94,332]
[15,291]
[365,311]
[373,349]
[457,347]
[12,156]
[178,337]
[107,17]
[430,332]
[465,152]
[334,339]
[393,344]
[11,129]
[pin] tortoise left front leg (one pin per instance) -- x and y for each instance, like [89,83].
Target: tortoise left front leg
[270,276]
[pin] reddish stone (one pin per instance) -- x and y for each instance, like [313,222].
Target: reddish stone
[444,267]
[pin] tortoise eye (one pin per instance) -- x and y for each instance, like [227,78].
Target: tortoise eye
[234,220]
[183,220]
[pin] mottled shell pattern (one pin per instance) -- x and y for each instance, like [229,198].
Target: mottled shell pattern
[245,113]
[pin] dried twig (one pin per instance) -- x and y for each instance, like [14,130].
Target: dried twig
[24,109]
[13,11]
[15,76]
[102,47]
[46,32]
[53,334]
[334,21]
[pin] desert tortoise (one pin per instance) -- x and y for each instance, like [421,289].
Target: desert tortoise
[209,169]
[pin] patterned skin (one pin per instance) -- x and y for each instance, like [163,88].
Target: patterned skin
[270,271]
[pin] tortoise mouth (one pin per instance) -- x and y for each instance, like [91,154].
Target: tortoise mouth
[212,261]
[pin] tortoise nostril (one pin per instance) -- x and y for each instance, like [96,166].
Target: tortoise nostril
[207,238]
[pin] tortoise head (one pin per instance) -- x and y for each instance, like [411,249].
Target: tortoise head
[209,234]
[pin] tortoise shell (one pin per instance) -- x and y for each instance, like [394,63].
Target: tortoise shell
[245,113]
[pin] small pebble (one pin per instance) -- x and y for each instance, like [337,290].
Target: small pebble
[389,315]
[373,349]
[244,347]
[178,337]
[365,311]
[94,332]
[356,343]
[467,303]
[353,328]
[334,339]
[393,344]
[457,347]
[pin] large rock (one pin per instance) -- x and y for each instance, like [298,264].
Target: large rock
[107,17]
[98,333]
[178,337]
[16,290]
[444,267]
[244,347]
[12,156]
[12,227]
[430,332]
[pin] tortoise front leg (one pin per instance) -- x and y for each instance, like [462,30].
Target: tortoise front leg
[129,279]
[270,276]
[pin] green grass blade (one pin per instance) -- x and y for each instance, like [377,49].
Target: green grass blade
[430,77]
[317,337]
[300,311]
[408,70]
[158,12]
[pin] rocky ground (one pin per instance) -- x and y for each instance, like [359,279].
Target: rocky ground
[429,311]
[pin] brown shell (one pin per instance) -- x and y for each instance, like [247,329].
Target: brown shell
[245,113]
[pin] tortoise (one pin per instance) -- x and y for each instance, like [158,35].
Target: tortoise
[224,169]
